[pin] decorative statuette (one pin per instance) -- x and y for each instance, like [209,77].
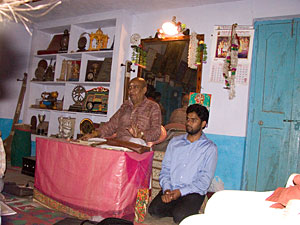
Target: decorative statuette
[42,128]
[64,43]
[63,72]
[98,40]
[78,96]
[66,127]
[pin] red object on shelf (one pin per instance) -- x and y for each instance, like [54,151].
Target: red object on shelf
[53,47]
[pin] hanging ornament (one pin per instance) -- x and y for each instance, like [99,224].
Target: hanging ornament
[201,51]
[133,57]
[192,51]
[139,56]
[135,39]
[231,62]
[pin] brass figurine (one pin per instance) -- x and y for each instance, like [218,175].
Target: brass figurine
[98,40]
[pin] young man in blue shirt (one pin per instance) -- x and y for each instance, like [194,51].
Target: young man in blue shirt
[188,168]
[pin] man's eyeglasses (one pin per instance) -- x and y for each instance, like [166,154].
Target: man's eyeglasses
[131,87]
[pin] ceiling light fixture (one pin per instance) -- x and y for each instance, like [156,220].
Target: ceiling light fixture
[19,10]
[172,29]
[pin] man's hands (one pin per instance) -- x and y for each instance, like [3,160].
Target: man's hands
[169,195]
[135,131]
[88,136]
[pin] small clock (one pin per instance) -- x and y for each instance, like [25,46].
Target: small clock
[90,76]
[81,43]
[92,70]
[86,126]
[135,39]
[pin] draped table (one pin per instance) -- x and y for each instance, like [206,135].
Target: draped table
[89,181]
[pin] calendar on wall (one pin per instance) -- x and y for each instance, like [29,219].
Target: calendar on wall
[242,77]
[220,45]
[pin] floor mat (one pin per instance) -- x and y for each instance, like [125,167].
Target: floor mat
[30,213]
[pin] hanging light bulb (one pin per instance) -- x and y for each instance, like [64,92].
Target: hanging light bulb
[170,28]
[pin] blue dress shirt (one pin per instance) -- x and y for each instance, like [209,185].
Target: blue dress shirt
[189,166]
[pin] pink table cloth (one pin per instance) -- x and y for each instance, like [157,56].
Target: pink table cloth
[95,181]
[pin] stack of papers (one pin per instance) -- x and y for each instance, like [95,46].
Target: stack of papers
[111,147]
[97,140]
[99,143]
[92,141]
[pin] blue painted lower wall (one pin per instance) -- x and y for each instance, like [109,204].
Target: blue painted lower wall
[230,155]
[230,159]
[5,127]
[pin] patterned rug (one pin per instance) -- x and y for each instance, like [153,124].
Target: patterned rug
[29,212]
[32,213]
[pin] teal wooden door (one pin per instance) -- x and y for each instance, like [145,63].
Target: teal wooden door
[272,143]
[294,158]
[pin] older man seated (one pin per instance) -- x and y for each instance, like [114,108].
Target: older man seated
[137,118]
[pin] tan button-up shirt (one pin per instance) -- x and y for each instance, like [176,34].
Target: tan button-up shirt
[178,115]
[147,117]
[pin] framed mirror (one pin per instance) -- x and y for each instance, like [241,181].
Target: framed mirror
[167,73]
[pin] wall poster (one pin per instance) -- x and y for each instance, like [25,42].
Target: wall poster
[220,43]
[200,98]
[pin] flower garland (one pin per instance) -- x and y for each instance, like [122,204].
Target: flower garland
[139,56]
[231,62]
[201,50]
[197,49]
[192,51]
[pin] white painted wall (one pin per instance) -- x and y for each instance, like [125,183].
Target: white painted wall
[15,44]
[227,117]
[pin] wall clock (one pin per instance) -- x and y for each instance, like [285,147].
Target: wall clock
[86,126]
[135,39]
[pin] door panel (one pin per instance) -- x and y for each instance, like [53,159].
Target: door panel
[267,148]
[275,71]
[268,158]
[294,157]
